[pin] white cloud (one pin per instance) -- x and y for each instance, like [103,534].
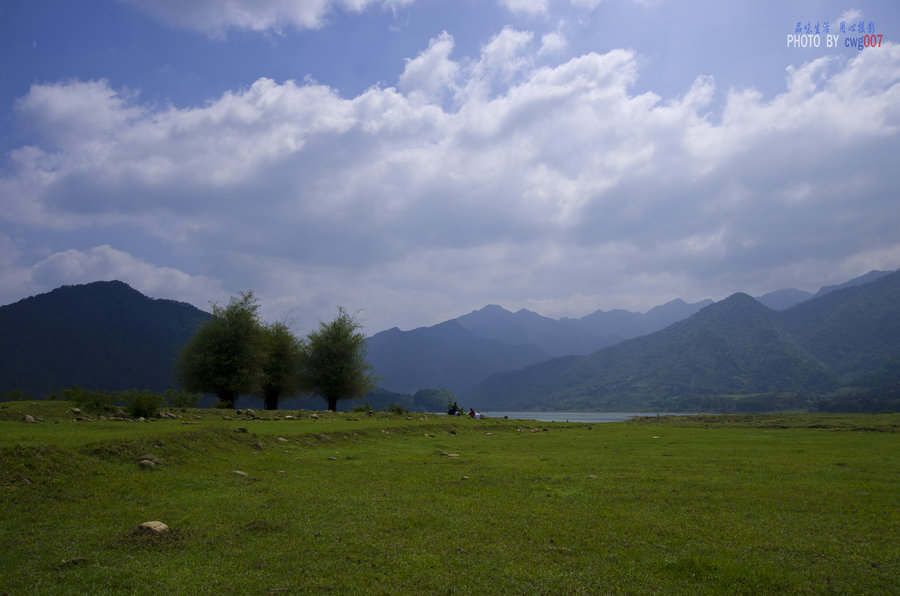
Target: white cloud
[526,6]
[476,180]
[217,16]
[552,43]
[103,263]
[540,7]
[432,74]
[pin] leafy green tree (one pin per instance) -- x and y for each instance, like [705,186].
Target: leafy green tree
[225,355]
[281,364]
[335,366]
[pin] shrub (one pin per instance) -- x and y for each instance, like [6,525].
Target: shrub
[144,403]
[397,409]
[182,399]
[87,399]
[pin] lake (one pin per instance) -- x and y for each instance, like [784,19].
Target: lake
[573,416]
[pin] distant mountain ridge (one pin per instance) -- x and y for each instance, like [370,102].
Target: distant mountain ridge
[106,335]
[461,353]
[735,347]
[102,335]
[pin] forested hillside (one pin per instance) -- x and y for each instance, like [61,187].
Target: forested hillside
[734,349]
[102,335]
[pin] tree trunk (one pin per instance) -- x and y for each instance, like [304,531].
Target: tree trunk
[332,404]
[271,399]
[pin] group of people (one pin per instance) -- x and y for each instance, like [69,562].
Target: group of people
[455,410]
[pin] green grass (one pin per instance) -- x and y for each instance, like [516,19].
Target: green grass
[437,505]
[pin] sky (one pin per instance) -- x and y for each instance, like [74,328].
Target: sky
[414,160]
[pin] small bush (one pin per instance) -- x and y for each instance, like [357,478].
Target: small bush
[182,399]
[144,404]
[86,399]
[397,409]
[363,408]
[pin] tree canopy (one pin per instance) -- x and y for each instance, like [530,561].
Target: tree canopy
[281,373]
[225,355]
[335,366]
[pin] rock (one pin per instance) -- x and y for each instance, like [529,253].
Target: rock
[148,457]
[28,418]
[282,440]
[257,445]
[288,417]
[314,416]
[239,473]
[152,527]
[76,411]
[147,464]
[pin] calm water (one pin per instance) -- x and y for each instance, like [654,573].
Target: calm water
[572,416]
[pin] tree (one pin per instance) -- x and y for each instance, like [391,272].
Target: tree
[281,364]
[335,366]
[224,356]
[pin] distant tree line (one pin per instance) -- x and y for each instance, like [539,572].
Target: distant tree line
[235,353]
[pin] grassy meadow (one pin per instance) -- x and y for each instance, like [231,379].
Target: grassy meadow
[429,504]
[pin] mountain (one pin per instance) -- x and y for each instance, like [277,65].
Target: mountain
[102,335]
[460,353]
[736,347]
[857,281]
[446,355]
[784,299]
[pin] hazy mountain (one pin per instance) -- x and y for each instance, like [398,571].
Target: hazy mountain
[857,281]
[733,347]
[446,355]
[573,336]
[461,353]
[784,299]
[103,335]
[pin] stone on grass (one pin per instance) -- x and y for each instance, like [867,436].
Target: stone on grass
[148,457]
[152,527]
[239,473]
[282,440]
[146,464]
[28,418]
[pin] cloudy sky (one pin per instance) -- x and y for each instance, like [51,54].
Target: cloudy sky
[413,160]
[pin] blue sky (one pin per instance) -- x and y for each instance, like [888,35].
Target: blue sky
[413,160]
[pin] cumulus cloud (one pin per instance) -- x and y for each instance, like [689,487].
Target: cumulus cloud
[103,263]
[216,16]
[473,181]
[536,7]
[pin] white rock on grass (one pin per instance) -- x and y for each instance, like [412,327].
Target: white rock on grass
[152,527]
[239,473]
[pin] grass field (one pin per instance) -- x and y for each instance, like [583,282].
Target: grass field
[351,503]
